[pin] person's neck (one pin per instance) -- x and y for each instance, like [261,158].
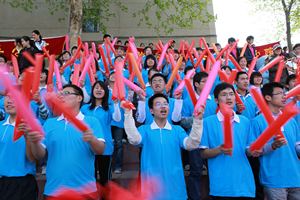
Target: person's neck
[76,111]
[242,92]
[158,92]
[98,102]
[198,91]
[42,84]
[111,85]
[12,118]
[161,123]
[274,109]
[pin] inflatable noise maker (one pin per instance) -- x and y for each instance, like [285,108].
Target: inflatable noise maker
[112,191]
[227,126]
[23,110]
[288,112]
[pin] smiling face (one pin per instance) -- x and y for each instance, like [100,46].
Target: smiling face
[160,108]
[98,91]
[243,63]
[70,97]
[9,106]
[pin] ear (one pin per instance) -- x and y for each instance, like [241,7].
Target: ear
[268,98]
[196,84]
[151,111]
[79,98]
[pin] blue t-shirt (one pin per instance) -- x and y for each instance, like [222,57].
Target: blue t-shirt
[161,159]
[104,117]
[70,159]
[279,168]
[230,176]
[251,110]
[13,153]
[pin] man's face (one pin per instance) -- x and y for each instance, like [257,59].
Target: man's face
[277,51]
[160,108]
[297,51]
[69,96]
[278,97]
[158,84]
[226,96]
[201,84]
[292,84]
[243,82]
[43,77]
[9,105]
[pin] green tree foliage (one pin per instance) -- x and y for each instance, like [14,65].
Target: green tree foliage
[168,14]
[288,9]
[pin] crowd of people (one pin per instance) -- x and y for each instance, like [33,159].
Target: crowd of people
[172,135]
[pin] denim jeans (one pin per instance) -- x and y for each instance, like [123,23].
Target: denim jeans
[194,179]
[117,134]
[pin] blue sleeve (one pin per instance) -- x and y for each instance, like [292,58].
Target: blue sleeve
[181,136]
[254,131]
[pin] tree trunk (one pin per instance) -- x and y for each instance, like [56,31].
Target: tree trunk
[75,21]
[288,31]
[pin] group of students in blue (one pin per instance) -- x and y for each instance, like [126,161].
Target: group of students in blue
[163,125]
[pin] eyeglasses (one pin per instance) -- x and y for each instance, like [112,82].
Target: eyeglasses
[231,94]
[279,93]
[67,93]
[157,81]
[159,105]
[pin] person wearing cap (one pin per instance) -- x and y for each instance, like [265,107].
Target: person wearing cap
[277,51]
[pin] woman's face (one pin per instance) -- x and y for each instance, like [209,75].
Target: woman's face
[243,63]
[25,43]
[66,57]
[257,80]
[98,92]
[148,51]
[150,62]
[35,36]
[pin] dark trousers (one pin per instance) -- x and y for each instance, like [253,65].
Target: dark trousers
[18,188]
[118,134]
[103,166]
[194,179]
[255,165]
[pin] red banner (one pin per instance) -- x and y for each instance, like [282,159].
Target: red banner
[266,49]
[54,45]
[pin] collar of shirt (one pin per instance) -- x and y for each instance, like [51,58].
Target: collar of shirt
[155,126]
[197,96]
[8,123]
[236,118]
[148,84]
[79,116]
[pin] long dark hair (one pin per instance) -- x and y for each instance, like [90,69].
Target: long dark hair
[104,103]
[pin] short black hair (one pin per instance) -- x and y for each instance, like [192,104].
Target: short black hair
[198,77]
[226,67]
[289,78]
[268,88]
[106,36]
[231,39]
[295,46]
[158,75]
[253,75]
[240,58]
[239,74]
[4,57]
[151,99]
[77,90]
[220,87]
[188,68]
[250,37]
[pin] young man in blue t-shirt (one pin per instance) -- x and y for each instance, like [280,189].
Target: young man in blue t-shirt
[279,162]
[230,176]
[71,153]
[161,144]
[17,166]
